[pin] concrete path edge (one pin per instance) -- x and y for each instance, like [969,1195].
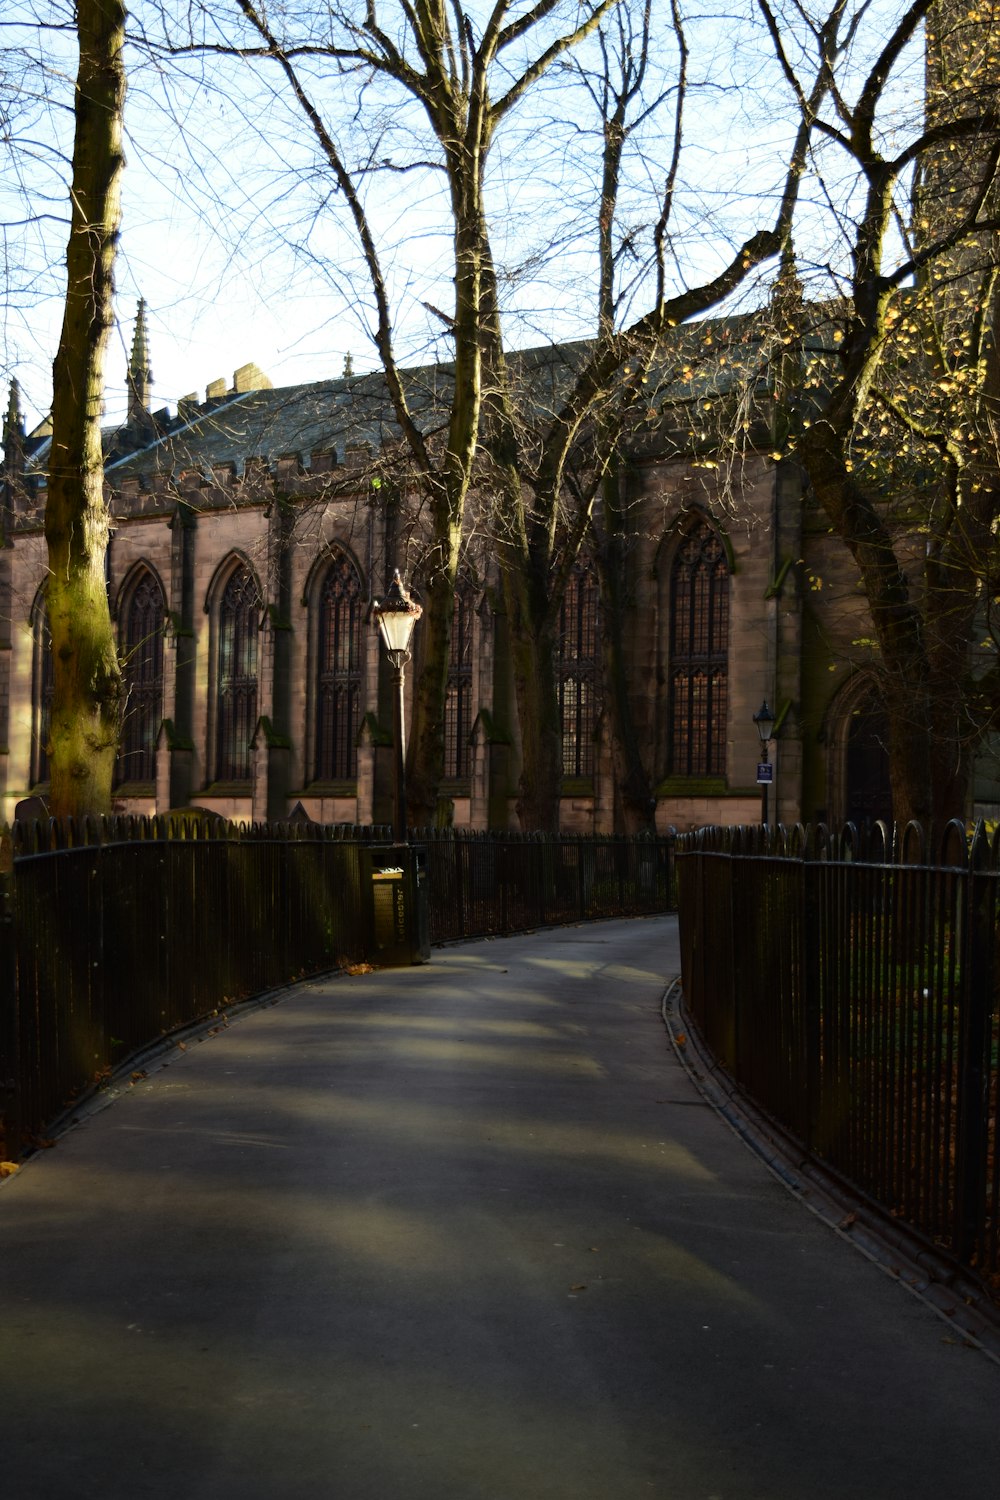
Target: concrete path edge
[957,1297]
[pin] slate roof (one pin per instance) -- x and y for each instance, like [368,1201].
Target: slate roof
[325,416]
[354,412]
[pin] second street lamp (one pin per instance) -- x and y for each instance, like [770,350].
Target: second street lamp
[396,616]
[764,720]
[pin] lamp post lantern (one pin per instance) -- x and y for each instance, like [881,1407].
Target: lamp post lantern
[396,616]
[764,720]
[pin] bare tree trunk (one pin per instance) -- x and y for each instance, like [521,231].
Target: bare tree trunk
[425,757]
[951,597]
[525,537]
[637,805]
[87,701]
[896,617]
[533,652]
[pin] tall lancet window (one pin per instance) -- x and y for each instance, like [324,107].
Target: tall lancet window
[578,672]
[236,677]
[142,652]
[458,704]
[699,655]
[338,665]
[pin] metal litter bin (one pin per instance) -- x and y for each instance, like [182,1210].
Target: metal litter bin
[395,878]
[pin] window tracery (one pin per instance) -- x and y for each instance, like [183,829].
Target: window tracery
[236,675]
[458,704]
[699,655]
[338,672]
[578,672]
[142,665]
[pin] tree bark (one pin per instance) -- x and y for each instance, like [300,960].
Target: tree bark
[525,538]
[533,652]
[87,699]
[896,617]
[425,758]
[636,806]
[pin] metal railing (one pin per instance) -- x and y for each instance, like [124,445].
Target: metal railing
[116,932]
[486,883]
[849,984]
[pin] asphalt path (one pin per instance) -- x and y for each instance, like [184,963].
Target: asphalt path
[458,1232]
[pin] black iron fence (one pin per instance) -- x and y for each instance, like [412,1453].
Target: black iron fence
[486,883]
[849,984]
[115,932]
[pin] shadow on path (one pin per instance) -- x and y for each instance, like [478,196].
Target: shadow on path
[462,1232]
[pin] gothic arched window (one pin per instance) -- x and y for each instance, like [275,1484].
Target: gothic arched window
[578,672]
[458,704]
[236,675]
[142,665]
[42,688]
[338,672]
[699,655]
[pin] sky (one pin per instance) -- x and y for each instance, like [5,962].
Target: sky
[232,234]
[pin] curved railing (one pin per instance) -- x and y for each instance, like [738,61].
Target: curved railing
[848,979]
[115,932]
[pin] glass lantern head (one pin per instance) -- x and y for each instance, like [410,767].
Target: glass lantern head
[396,616]
[764,720]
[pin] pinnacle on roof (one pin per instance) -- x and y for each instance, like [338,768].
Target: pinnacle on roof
[12,464]
[138,364]
[140,376]
[14,420]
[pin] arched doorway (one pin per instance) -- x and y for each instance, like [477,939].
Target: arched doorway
[867,788]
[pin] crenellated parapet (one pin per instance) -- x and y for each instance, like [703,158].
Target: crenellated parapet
[317,477]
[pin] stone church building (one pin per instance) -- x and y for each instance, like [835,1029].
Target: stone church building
[248,541]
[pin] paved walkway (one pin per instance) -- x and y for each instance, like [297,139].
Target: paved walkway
[462,1232]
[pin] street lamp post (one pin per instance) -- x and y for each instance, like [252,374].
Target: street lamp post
[764,720]
[396,616]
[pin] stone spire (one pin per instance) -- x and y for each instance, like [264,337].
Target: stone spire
[12,464]
[140,376]
[13,432]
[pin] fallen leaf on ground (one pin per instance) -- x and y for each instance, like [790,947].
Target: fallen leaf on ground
[580,1287]
[8,1168]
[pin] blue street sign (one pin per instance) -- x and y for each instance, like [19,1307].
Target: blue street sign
[765,773]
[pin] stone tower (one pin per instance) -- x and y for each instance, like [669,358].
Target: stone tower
[958,176]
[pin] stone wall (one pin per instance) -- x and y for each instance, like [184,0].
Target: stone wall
[792,608]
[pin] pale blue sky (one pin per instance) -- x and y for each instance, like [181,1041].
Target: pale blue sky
[242,255]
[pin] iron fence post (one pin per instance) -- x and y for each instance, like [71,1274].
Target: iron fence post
[460,862]
[973,1069]
[10,1077]
[500,848]
[736,1007]
[812,1026]
[701,868]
